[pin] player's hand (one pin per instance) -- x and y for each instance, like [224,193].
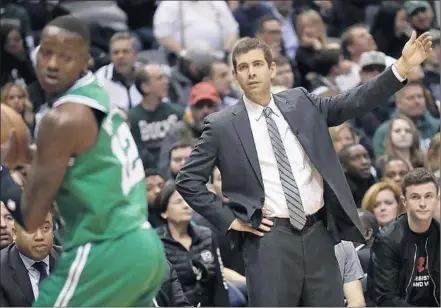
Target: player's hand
[416,49]
[243,226]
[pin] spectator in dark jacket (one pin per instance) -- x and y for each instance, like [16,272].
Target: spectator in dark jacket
[171,294]
[192,250]
[405,263]
[15,60]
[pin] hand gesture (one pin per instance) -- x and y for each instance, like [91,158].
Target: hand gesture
[242,226]
[416,49]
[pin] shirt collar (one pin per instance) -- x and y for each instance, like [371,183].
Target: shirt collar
[29,262]
[256,111]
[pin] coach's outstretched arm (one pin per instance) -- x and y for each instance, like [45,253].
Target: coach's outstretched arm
[358,101]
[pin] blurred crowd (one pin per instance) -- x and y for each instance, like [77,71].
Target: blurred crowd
[166,64]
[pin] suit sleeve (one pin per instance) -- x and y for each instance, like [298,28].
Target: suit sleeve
[385,275]
[194,175]
[3,301]
[358,101]
[220,288]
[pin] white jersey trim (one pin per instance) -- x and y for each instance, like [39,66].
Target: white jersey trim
[80,99]
[74,276]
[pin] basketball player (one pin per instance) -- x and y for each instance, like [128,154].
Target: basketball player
[87,161]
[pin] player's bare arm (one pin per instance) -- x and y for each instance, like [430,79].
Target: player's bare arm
[65,131]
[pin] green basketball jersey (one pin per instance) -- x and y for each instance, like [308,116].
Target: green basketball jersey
[103,194]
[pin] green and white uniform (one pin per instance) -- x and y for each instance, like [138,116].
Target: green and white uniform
[112,257]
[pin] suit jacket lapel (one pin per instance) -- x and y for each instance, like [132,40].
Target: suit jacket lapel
[242,126]
[21,275]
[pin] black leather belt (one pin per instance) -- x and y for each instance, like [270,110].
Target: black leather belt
[310,220]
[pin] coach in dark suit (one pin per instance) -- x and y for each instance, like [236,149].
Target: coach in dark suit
[281,177]
[26,263]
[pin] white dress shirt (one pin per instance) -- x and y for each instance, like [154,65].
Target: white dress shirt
[34,274]
[309,181]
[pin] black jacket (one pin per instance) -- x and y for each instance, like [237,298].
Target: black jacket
[393,260]
[15,285]
[198,268]
[171,294]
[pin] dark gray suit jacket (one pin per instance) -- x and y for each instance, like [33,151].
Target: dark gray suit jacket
[227,142]
[15,285]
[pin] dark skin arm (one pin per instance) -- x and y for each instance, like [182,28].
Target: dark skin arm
[65,131]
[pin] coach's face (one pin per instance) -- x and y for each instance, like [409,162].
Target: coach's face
[253,73]
[38,244]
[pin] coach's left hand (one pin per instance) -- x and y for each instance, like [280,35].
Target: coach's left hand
[414,53]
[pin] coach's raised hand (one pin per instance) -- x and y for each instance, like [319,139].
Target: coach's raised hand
[414,53]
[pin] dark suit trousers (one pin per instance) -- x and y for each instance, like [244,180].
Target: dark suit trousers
[290,268]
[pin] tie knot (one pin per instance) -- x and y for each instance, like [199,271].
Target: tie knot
[267,111]
[40,266]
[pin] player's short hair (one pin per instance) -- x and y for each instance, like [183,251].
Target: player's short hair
[71,24]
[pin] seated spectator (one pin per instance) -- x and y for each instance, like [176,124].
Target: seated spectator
[342,135]
[209,22]
[170,294]
[7,227]
[118,76]
[351,274]
[357,166]
[177,156]
[432,69]
[420,16]
[390,28]
[16,62]
[283,11]
[151,120]
[383,200]
[356,40]
[15,95]
[269,30]
[372,64]
[26,263]
[395,169]
[189,71]
[403,140]
[284,75]
[204,101]
[410,101]
[370,228]
[433,156]
[405,264]
[219,74]
[247,13]
[154,182]
[312,37]
[192,250]
[328,65]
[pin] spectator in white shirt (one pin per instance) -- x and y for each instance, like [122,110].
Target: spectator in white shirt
[118,76]
[178,23]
